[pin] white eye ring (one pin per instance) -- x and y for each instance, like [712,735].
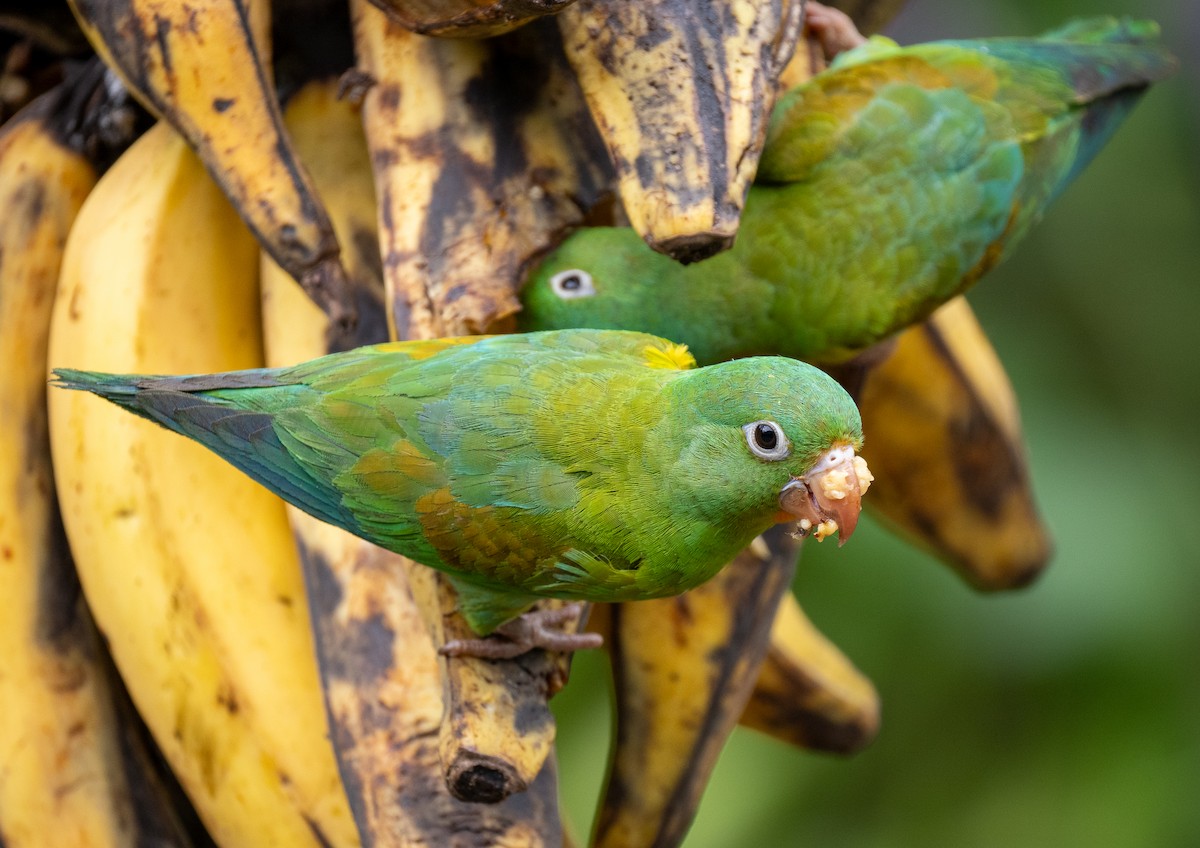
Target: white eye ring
[572,283]
[767,440]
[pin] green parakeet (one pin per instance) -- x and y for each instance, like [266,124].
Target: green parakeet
[581,464]
[888,184]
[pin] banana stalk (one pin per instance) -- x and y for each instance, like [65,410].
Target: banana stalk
[685,668]
[188,566]
[681,92]
[380,672]
[204,67]
[467,18]
[941,419]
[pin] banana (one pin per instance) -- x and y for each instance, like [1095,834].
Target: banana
[204,67]
[189,567]
[483,154]
[684,669]
[380,671]
[681,92]
[478,172]
[467,18]
[62,781]
[808,693]
[941,419]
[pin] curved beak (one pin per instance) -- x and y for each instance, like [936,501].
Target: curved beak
[828,497]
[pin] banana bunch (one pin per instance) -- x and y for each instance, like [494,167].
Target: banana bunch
[290,674]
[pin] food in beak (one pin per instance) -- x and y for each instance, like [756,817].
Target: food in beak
[828,497]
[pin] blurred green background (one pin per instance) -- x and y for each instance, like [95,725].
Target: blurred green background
[1068,713]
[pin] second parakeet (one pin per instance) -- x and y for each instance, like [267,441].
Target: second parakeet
[888,184]
[582,464]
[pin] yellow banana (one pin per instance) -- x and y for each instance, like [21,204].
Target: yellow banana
[684,669]
[483,156]
[681,91]
[467,18]
[808,693]
[188,566]
[373,644]
[204,66]
[61,781]
[944,431]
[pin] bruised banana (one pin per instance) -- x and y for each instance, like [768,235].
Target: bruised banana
[941,417]
[487,161]
[63,778]
[373,646]
[204,66]
[681,92]
[189,568]
[483,156]
[467,18]
[684,668]
[808,693]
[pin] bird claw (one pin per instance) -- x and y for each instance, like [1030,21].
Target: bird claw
[832,28]
[527,631]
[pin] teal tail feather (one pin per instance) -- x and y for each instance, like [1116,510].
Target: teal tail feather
[243,437]
[1108,63]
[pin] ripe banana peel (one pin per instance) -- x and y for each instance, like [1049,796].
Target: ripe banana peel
[467,18]
[681,91]
[204,66]
[808,693]
[209,628]
[951,470]
[382,677]
[63,780]
[483,156]
[684,668]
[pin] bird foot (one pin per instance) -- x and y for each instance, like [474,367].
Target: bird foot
[534,629]
[832,28]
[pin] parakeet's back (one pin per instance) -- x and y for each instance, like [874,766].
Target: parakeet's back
[887,185]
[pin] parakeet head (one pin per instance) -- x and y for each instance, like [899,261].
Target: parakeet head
[771,436]
[601,277]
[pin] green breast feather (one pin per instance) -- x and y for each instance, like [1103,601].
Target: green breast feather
[888,185]
[579,464]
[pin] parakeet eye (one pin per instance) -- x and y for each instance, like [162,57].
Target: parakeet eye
[767,441]
[572,283]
